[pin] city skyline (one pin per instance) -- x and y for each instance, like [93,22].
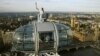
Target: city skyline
[50,5]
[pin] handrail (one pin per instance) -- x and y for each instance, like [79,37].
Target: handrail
[56,36]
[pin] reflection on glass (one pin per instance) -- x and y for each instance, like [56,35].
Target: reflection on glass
[23,39]
[65,35]
[46,41]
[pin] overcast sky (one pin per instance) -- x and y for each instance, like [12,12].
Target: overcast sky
[50,5]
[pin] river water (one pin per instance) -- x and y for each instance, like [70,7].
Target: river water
[81,52]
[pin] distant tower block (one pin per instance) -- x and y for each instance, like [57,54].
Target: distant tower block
[73,20]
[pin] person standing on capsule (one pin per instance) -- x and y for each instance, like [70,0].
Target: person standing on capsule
[40,15]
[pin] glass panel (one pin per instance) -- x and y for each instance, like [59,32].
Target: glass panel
[64,33]
[23,39]
[46,41]
[19,46]
[29,47]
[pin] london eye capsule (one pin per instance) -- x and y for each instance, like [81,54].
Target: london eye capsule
[46,35]
[41,36]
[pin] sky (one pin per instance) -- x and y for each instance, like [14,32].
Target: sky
[50,5]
